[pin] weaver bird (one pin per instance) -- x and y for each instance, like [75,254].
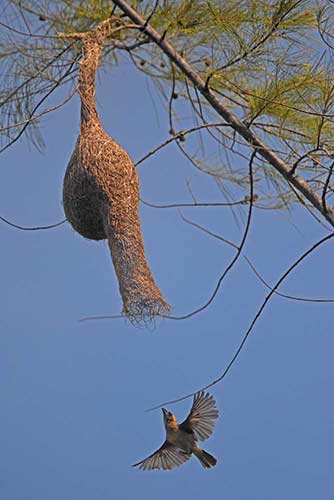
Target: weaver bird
[181,439]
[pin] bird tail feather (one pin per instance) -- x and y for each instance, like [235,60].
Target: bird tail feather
[205,458]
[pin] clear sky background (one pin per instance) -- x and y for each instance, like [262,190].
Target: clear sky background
[73,395]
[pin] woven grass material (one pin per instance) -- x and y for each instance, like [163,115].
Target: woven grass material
[101,194]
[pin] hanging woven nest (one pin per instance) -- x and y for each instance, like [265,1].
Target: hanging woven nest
[101,193]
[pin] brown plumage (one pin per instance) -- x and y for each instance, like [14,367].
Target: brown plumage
[101,193]
[181,439]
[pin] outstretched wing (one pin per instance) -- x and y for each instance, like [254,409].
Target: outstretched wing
[200,420]
[167,457]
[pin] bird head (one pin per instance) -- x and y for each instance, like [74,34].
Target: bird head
[169,419]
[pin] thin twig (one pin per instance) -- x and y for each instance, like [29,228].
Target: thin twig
[253,268]
[39,115]
[238,252]
[324,192]
[37,228]
[22,33]
[244,201]
[177,136]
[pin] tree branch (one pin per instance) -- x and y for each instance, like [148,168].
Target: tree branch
[240,127]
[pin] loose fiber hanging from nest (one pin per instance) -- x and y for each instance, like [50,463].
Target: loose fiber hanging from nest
[101,193]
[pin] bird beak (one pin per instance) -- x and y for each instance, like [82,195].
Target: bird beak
[164,411]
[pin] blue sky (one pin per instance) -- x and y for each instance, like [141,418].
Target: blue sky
[73,395]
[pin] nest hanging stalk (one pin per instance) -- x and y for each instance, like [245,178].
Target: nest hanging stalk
[101,193]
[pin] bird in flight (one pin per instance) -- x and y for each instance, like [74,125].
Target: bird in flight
[181,439]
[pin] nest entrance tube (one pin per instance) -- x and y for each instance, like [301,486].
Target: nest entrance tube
[101,193]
